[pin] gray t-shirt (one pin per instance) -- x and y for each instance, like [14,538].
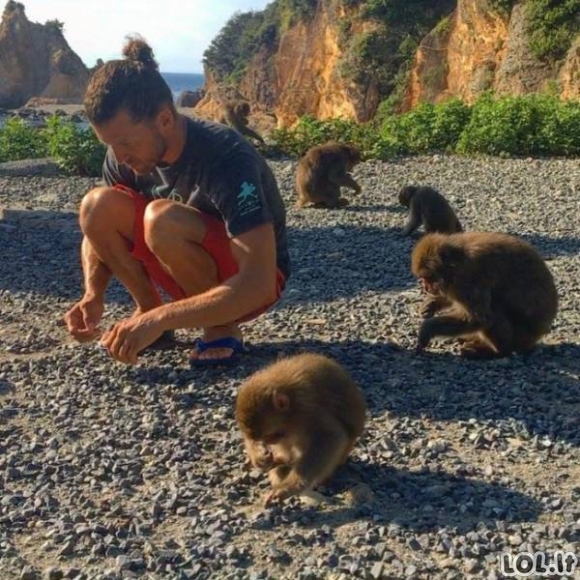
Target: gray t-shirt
[219,173]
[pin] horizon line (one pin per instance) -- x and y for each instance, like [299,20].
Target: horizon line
[174,72]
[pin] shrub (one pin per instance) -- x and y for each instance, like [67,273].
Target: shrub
[553,25]
[75,150]
[427,127]
[19,140]
[309,132]
[529,125]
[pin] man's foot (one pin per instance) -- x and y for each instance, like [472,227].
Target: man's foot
[218,345]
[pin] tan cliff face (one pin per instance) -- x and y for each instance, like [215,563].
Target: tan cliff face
[302,78]
[569,75]
[479,50]
[473,50]
[36,61]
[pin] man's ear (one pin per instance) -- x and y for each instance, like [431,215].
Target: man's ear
[281,401]
[166,118]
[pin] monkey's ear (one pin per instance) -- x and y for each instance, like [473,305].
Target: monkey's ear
[281,401]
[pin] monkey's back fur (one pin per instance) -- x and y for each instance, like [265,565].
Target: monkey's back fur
[323,170]
[312,382]
[516,276]
[427,206]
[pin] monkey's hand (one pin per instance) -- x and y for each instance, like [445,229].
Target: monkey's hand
[285,483]
[428,308]
[424,338]
[432,304]
[277,496]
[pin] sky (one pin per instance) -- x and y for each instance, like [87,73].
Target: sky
[178,31]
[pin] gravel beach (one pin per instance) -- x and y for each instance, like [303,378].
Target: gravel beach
[110,472]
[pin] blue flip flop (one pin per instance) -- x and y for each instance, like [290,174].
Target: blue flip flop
[236,345]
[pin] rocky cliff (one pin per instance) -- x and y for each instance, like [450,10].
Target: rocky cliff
[36,61]
[471,47]
[479,49]
[301,76]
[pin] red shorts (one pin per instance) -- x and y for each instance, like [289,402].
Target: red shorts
[215,242]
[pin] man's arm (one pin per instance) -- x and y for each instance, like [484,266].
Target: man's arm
[253,287]
[96,275]
[83,318]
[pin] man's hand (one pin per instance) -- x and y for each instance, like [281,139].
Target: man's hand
[130,336]
[83,318]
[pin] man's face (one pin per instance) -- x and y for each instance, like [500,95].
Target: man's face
[141,146]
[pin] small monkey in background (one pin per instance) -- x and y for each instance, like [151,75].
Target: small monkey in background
[428,207]
[497,291]
[300,418]
[235,114]
[321,173]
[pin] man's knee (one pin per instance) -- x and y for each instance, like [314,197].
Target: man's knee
[166,222]
[101,208]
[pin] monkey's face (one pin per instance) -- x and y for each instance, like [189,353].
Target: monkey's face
[405,195]
[261,456]
[430,285]
[269,440]
[353,157]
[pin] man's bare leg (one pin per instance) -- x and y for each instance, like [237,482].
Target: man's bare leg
[174,233]
[107,219]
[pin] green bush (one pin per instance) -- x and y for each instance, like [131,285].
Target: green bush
[528,125]
[553,25]
[427,127]
[75,150]
[19,140]
[309,132]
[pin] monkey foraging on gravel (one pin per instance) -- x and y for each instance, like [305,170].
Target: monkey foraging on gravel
[299,418]
[428,207]
[500,293]
[321,173]
[235,114]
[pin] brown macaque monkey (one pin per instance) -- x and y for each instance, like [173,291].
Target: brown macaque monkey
[428,207]
[321,173]
[235,115]
[299,418]
[500,295]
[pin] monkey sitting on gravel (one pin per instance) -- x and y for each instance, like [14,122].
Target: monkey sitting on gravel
[323,171]
[428,207]
[300,418]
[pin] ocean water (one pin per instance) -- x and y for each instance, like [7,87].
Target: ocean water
[183,81]
[177,82]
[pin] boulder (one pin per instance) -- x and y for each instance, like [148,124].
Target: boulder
[36,61]
[189,98]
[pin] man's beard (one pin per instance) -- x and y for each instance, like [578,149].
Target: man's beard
[161,149]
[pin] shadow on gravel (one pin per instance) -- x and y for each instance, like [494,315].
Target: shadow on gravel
[6,387]
[375,208]
[41,254]
[553,247]
[343,261]
[426,501]
[528,396]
